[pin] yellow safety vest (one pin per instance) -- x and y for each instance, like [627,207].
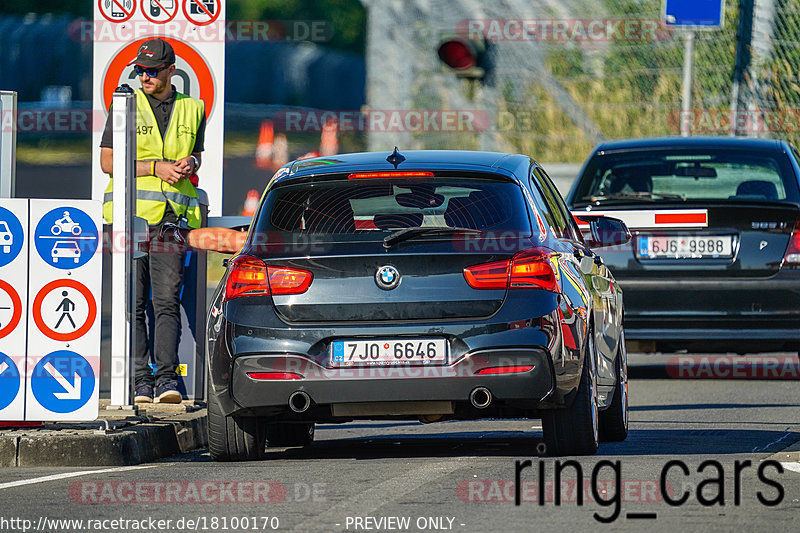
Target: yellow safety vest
[152,193]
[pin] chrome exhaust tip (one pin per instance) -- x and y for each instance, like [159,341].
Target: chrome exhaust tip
[480,397]
[299,401]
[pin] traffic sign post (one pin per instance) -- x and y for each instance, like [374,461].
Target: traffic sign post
[8,143]
[691,15]
[123,196]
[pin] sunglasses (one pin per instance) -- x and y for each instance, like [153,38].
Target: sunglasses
[152,72]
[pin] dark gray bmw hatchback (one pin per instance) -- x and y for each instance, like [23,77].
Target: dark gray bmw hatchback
[427,285]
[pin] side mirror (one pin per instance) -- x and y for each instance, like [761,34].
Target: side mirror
[607,231]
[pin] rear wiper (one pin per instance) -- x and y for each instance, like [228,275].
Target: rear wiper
[409,233]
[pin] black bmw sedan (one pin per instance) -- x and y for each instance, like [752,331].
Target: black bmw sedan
[714,264]
[424,285]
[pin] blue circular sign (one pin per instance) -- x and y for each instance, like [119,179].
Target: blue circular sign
[9,381]
[11,236]
[62,381]
[66,238]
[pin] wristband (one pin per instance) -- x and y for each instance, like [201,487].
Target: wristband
[196,162]
[153,168]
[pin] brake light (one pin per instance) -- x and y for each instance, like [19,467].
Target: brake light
[529,269]
[249,276]
[504,370]
[793,250]
[404,174]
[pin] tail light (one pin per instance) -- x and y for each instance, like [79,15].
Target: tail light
[793,250]
[504,370]
[249,276]
[529,269]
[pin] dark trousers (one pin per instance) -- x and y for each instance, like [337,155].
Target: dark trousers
[160,272]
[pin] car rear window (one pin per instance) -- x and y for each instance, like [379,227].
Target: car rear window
[686,176]
[367,209]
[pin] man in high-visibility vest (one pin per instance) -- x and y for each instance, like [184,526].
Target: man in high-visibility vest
[170,130]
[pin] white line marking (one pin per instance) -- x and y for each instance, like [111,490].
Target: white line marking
[794,467]
[3,367]
[56,477]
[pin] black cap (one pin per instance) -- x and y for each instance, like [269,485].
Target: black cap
[154,53]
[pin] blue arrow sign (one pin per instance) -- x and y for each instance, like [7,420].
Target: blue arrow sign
[11,236]
[9,381]
[66,238]
[62,381]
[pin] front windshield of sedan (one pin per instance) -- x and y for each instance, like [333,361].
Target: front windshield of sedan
[648,177]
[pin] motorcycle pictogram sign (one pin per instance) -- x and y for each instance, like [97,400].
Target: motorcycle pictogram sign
[66,238]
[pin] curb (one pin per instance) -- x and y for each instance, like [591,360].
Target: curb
[130,445]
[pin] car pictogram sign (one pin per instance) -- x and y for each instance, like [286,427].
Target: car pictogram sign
[66,238]
[117,10]
[9,381]
[201,12]
[64,310]
[63,381]
[11,237]
[159,11]
[192,75]
[10,308]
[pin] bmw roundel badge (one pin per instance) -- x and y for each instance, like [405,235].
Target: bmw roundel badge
[387,277]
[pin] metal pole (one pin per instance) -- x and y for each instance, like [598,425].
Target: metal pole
[686,96]
[8,143]
[122,267]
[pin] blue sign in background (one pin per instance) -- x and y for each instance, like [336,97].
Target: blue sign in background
[693,13]
[11,236]
[45,386]
[9,381]
[66,238]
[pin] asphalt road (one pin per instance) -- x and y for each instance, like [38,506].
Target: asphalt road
[460,476]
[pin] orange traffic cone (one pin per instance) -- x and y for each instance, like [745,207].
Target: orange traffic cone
[264,148]
[329,142]
[280,151]
[250,203]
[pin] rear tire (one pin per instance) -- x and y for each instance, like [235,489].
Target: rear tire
[286,434]
[234,438]
[614,420]
[575,429]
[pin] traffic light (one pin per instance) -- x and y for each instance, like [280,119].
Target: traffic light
[467,57]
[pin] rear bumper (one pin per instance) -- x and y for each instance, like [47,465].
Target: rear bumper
[454,382]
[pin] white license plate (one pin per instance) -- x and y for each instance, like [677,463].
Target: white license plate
[377,352]
[679,247]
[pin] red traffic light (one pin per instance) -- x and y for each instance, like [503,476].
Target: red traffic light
[458,54]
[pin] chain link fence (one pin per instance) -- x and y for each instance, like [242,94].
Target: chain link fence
[585,71]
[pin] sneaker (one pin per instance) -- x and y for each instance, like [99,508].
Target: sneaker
[173,232]
[168,393]
[143,394]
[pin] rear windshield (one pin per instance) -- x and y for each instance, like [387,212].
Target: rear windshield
[370,209]
[686,176]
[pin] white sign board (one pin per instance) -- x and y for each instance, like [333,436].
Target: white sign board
[13,306]
[50,286]
[196,31]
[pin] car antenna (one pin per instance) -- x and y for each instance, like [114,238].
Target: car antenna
[396,157]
